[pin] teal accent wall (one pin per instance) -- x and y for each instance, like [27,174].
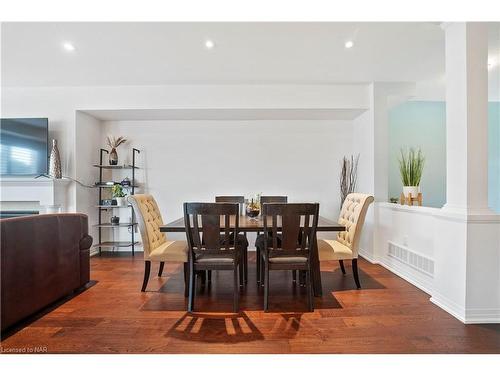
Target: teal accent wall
[420,124]
[423,124]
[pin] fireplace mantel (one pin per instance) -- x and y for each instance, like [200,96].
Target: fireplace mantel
[51,194]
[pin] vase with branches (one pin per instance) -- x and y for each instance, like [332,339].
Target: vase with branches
[348,176]
[114,143]
[411,166]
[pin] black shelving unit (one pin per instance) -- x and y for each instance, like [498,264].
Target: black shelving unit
[103,208]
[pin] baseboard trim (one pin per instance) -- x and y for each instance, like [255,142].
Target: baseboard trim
[399,271]
[369,258]
[482,316]
[449,306]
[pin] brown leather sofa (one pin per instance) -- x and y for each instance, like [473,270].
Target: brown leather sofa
[44,258]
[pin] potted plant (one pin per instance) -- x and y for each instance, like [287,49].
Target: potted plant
[114,143]
[119,195]
[411,165]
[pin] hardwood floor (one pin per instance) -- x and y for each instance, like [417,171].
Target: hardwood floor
[388,315]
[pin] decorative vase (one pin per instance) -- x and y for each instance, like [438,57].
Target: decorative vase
[115,220]
[252,208]
[120,201]
[55,161]
[113,157]
[410,189]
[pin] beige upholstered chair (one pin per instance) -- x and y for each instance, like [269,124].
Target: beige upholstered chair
[155,244]
[346,246]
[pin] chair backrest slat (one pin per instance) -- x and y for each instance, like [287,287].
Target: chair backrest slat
[290,236]
[305,233]
[275,232]
[211,231]
[197,238]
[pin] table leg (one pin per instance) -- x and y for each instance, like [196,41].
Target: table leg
[315,268]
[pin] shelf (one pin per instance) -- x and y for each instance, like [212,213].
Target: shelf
[116,244]
[109,225]
[115,166]
[107,183]
[97,185]
[110,206]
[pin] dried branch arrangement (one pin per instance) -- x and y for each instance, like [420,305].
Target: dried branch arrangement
[115,142]
[348,176]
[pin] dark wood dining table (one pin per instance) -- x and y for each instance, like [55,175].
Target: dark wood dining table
[247,224]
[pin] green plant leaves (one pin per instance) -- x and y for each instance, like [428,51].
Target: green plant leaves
[411,166]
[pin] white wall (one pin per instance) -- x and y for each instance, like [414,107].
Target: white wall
[60,104]
[88,131]
[412,228]
[196,160]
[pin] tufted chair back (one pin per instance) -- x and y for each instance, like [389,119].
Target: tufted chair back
[149,220]
[352,216]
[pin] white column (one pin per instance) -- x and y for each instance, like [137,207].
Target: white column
[467,233]
[467,117]
[371,141]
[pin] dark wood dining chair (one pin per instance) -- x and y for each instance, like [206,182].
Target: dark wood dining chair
[212,243]
[259,241]
[290,249]
[232,199]
[242,238]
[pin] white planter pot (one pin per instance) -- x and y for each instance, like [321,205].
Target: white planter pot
[121,201]
[413,190]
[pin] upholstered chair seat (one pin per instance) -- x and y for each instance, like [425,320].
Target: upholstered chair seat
[333,250]
[170,251]
[346,246]
[157,248]
[288,260]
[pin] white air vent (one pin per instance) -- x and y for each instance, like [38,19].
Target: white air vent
[411,258]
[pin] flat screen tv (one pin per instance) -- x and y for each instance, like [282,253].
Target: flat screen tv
[23,146]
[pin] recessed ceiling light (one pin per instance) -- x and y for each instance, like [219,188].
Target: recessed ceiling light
[349,44]
[209,44]
[68,46]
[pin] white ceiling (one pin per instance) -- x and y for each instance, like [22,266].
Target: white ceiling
[163,53]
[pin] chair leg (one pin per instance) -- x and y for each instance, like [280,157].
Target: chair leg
[266,287]
[186,279]
[147,269]
[245,264]
[355,272]
[192,288]
[236,290]
[257,263]
[242,271]
[341,262]
[302,278]
[209,276]
[310,302]
[294,276]
[160,271]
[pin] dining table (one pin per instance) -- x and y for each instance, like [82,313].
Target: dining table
[256,224]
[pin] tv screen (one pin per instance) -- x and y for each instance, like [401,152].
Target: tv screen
[23,146]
